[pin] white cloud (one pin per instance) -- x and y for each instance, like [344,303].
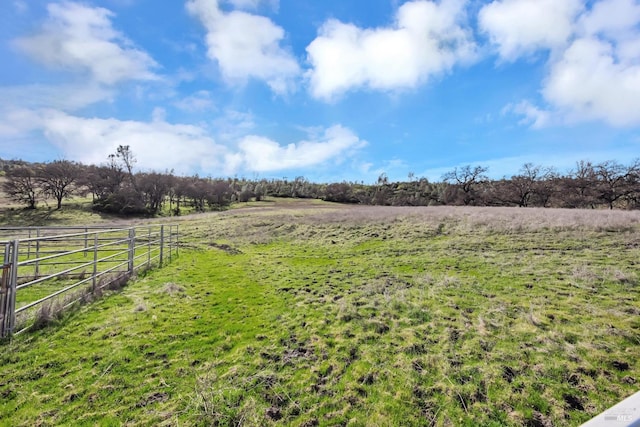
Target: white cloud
[611,18]
[532,115]
[260,154]
[589,82]
[160,145]
[81,38]
[425,39]
[520,27]
[17,122]
[594,69]
[246,46]
[157,145]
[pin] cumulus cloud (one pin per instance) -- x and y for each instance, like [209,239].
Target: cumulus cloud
[80,38]
[594,69]
[520,27]
[160,145]
[425,39]
[591,82]
[616,18]
[261,154]
[246,46]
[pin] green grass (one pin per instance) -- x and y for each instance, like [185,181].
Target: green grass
[328,315]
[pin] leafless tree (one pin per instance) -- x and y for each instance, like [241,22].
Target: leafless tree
[532,186]
[22,186]
[57,179]
[124,153]
[467,179]
[612,182]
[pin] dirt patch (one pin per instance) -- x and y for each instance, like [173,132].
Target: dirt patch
[154,398]
[508,374]
[539,420]
[290,355]
[226,248]
[573,402]
[274,413]
[620,366]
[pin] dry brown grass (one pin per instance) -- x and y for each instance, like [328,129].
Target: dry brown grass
[330,222]
[498,218]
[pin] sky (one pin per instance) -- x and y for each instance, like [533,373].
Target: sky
[332,90]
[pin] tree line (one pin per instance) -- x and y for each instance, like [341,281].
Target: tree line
[115,187]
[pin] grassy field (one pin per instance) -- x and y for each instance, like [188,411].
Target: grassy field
[306,313]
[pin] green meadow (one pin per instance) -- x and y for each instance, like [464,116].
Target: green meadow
[306,313]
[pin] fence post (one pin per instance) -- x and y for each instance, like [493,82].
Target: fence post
[162,243]
[8,289]
[86,240]
[95,261]
[4,291]
[37,269]
[169,245]
[149,248]
[13,285]
[132,248]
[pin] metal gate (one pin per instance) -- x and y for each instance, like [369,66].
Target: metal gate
[62,265]
[8,283]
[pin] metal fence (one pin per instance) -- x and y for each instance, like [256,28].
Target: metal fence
[44,268]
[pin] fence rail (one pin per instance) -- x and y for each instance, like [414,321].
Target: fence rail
[50,265]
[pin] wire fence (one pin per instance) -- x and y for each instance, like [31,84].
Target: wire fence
[48,269]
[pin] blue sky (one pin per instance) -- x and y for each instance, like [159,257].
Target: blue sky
[331,90]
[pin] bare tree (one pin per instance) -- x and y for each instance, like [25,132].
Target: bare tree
[57,178]
[533,185]
[467,179]
[124,153]
[612,182]
[632,196]
[102,181]
[22,186]
[578,188]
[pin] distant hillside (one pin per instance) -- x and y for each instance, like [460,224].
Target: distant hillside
[6,165]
